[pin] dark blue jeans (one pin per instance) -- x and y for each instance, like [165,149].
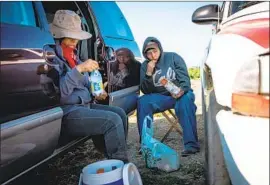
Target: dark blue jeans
[185,110]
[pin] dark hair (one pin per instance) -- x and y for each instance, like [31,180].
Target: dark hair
[115,65]
[133,67]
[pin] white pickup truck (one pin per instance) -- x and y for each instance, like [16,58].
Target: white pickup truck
[235,92]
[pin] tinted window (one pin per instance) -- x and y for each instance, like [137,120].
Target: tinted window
[20,13]
[240,5]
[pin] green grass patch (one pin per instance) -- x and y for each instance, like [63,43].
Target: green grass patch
[194,73]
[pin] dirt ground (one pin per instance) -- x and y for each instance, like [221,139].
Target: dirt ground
[65,170]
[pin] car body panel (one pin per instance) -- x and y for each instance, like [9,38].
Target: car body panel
[19,60]
[126,98]
[230,58]
[250,37]
[243,144]
[246,154]
[28,140]
[30,128]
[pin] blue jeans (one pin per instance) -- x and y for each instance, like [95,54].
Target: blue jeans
[107,125]
[185,110]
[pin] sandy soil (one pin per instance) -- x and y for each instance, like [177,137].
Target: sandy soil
[65,170]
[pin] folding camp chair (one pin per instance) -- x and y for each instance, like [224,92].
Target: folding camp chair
[173,122]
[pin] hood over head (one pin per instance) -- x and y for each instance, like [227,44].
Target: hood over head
[149,43]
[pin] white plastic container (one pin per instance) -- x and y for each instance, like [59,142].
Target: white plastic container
[113,172]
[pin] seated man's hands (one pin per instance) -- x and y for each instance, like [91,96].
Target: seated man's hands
[150,67]
[102,96]
[87,66]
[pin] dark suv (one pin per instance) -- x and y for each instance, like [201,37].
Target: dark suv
[30,117]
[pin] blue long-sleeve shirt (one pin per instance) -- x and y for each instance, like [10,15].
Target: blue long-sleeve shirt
[74,86]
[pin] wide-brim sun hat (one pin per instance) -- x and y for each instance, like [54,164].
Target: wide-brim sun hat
[67,24]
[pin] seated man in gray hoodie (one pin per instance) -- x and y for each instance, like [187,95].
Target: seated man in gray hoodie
[81,117]
[156,98]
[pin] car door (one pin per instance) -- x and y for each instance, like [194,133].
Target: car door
[115,33]
[30,120]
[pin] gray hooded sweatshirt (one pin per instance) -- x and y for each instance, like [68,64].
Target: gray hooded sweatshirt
[169,65]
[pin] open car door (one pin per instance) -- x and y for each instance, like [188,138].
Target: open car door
[123,80]
[123,70]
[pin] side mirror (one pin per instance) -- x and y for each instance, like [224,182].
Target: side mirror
[109,54]
[208,14]
[49,53]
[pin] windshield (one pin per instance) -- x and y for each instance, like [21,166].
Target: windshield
[240,5]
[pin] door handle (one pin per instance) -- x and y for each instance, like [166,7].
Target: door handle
[11,56]
[49,53]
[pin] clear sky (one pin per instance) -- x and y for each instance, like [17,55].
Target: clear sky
[171,23]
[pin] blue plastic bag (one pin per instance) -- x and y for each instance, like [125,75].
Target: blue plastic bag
[155,153]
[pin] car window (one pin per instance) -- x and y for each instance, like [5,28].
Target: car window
[240,5]
[19,13]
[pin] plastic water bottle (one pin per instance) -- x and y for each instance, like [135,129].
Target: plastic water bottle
[96,83]
[171,87]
